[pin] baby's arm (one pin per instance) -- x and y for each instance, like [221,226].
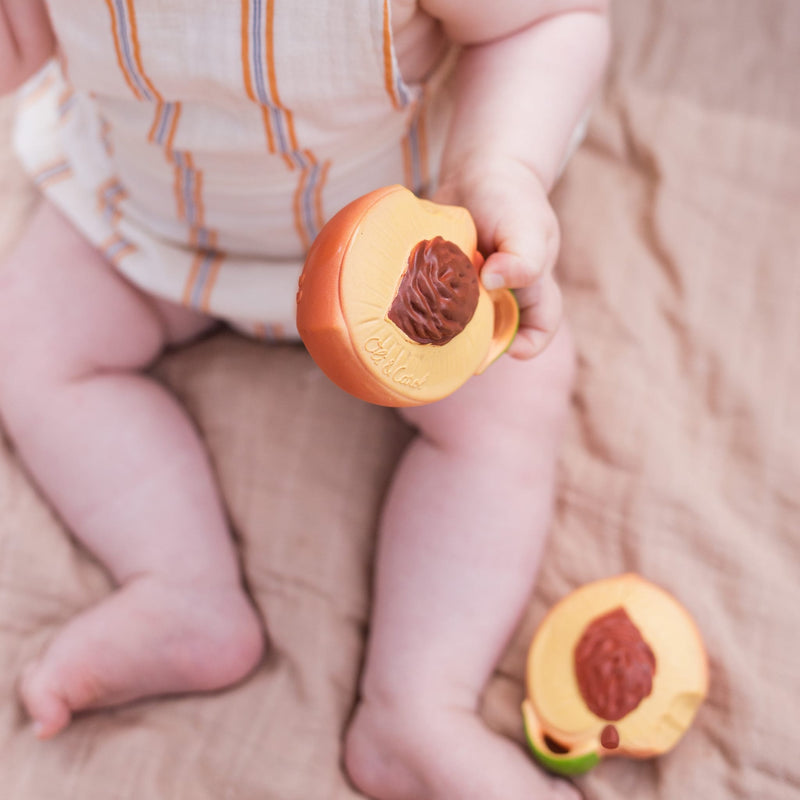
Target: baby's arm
[26,41]
[525,78]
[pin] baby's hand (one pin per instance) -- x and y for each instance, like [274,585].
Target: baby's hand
[518,233]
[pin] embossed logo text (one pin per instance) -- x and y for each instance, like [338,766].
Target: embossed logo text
[393,363]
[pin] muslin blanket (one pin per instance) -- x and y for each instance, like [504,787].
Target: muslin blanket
[681,271]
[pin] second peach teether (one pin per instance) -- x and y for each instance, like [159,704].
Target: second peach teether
[617,668]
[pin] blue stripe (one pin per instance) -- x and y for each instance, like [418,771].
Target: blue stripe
[131,64]
[188,183]
[110,199]
[300,159]
[166,115]
[187,179]
[276,114]
[108,208]
[65,107]
[400,88]
[308,210]
[202,277]
[279,126]
[258,56]
[116,248]
[56,170]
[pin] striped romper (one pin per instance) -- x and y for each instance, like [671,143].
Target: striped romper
[201,144]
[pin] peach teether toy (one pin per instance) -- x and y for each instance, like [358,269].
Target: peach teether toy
[616,668]
[390,305]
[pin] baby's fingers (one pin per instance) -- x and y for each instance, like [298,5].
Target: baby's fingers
[540,315]
[524,247]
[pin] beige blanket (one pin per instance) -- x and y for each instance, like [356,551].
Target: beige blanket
[681,269]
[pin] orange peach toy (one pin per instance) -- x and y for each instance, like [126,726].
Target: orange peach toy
[390,304]
[616,668]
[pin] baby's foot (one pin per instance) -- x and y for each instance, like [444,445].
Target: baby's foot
[441,754]
[148,638]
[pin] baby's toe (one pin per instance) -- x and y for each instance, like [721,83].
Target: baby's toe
[48,711]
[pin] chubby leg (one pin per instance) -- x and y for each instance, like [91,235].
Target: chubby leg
[460,543]
[122,464]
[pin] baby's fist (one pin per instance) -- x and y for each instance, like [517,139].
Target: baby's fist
[519,235]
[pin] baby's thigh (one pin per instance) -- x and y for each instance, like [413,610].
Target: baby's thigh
[65,311]
[513,402]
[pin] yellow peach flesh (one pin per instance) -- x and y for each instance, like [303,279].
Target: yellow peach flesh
[421,371]
[679,685]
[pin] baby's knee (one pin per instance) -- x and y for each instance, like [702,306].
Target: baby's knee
[40,351]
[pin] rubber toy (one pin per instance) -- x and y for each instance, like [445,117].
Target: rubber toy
[617,668]
[390,304]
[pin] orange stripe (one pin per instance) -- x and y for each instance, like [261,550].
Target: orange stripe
[126,251]
[179,204]
[103,188]
[105,136]
[53,179]
[192,279]
[268,129]
[151,136]
[137,56]
[211,239]
[199,209]
[174,127]
[298,210]
[180,172]
[118,47]
[320,213]
[102,200]
[205,302]
[186,298]
[248,78]
[194,272]
[273,82]
[422,148]
[110,242]
[197,193]
[388,67]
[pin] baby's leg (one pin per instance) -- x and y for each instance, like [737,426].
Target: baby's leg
[460,543]
[122,464]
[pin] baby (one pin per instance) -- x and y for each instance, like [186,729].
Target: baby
[188,152]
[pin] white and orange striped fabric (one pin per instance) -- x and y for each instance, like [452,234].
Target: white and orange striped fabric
[201,144]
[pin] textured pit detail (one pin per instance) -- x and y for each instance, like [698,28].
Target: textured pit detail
[438,293]
[614,665]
